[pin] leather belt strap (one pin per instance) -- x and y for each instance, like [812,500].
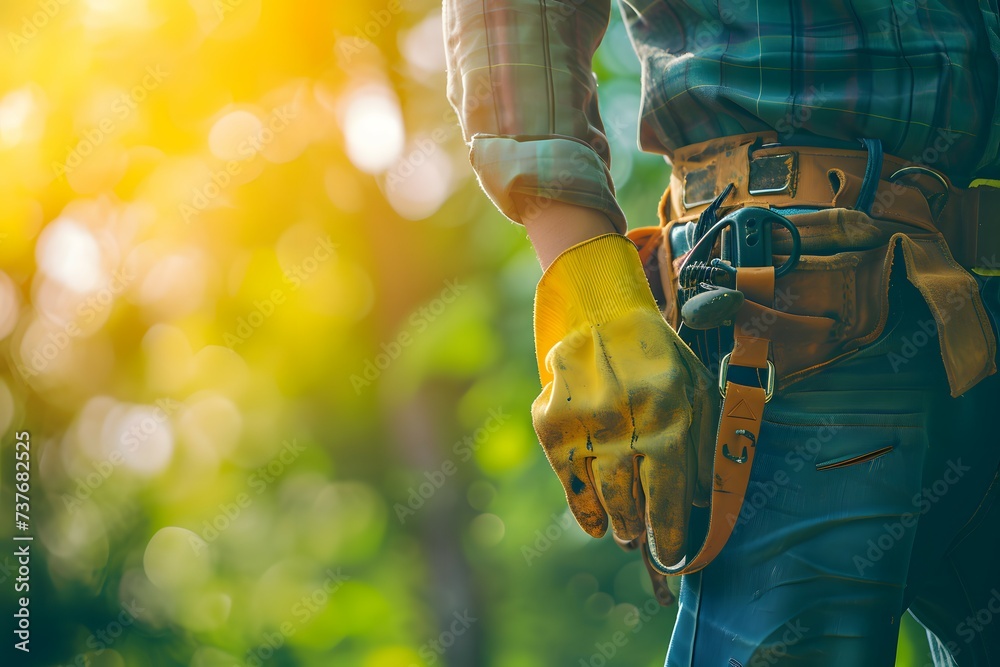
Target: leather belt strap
[803,176]
[970,224]
[739,426]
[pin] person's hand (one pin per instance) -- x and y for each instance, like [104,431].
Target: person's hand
[627,414]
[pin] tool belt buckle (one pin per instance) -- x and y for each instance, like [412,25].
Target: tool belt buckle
[772,174]
[766,175]
[724,372]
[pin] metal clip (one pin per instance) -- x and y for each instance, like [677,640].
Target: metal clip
[735,459]
[724,371]
[936,202]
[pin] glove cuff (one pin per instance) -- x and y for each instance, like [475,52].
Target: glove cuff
[594,282]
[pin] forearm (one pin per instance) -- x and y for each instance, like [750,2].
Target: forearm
[554,226]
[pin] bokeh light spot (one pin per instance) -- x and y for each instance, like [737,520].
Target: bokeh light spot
[69,254]
[16,110]
[77,544]
[487,530]
[232,136]
[420,182]
[174,285]
[142,435]
[176,558]
[207,611]
[423,45]
[480,494]
[373,129]
[210,422]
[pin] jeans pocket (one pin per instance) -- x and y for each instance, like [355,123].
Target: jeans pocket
[853,459]
[831,431]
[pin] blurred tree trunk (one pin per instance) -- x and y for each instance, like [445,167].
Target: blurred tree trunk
[421,432]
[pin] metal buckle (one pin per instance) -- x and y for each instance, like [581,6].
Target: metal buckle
[724,371]
[699,185]
[935,201]
[772,174]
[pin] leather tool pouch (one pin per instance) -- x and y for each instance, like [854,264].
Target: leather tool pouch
[836,300]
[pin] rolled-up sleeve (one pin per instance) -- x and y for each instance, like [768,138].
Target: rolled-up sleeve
[521,81]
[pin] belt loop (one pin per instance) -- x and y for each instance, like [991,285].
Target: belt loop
[873,174]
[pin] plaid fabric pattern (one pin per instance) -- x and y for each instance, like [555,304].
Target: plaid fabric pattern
[917,74]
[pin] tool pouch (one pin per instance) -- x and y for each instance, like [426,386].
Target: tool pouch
[836,300]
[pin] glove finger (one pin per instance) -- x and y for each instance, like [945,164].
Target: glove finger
[618,490]
[581,495]
[668,496]
[564,441]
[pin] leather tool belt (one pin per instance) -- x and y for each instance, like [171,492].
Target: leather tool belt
[799,176]
[836,299]
[852,224]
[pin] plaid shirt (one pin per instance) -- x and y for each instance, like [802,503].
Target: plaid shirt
[909,73]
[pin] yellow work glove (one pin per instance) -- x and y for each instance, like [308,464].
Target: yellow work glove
[627,415]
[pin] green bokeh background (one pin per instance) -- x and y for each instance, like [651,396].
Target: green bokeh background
[257,519]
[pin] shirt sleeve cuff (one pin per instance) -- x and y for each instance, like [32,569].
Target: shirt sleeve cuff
[559,168]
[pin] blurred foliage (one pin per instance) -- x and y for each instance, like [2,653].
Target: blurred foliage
[273,349]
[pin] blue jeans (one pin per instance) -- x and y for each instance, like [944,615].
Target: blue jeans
[873,492]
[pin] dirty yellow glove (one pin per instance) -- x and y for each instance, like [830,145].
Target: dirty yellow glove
[627,414]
